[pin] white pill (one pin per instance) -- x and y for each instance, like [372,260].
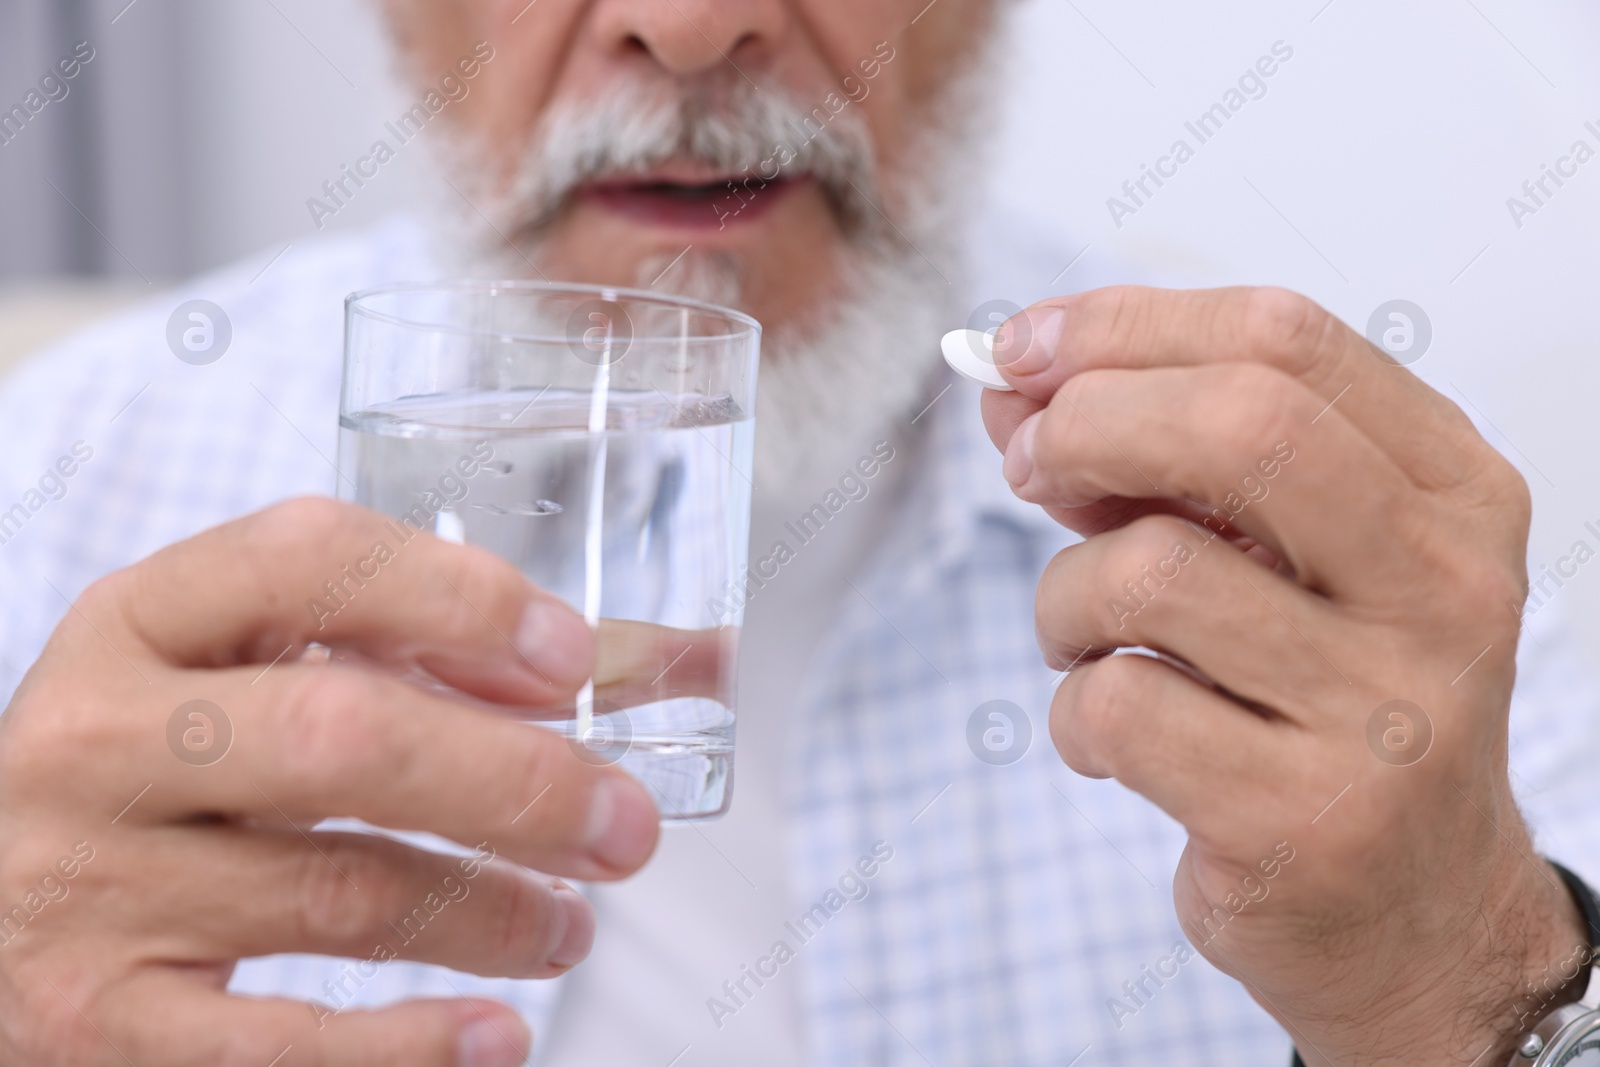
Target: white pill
[970,354]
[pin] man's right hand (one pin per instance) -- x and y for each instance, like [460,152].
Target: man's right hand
[197,860]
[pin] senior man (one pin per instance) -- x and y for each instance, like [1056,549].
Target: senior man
[1304,532]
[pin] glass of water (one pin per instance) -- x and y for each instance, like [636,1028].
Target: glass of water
[601,440]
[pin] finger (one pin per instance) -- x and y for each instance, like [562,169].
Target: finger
[227,892]
[316,742]
[164,1017]
[1170,585]
[318,570]
[1208,762]
[635,663]
[639,662]
[1240,437]
[1004,412]
[1131,328]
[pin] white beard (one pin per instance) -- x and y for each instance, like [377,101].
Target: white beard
[850,372]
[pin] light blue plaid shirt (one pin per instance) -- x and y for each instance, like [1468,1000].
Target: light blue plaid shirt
[1020,898]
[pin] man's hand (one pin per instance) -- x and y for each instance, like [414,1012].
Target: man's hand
[147,843]
[1305,533]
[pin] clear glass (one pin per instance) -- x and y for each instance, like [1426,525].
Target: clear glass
[601,440]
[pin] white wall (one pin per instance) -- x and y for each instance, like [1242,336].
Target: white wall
[301,87]
[1391,141]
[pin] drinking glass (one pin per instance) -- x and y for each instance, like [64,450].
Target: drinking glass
[601,440]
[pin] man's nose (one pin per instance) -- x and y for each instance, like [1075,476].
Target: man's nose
[688,37]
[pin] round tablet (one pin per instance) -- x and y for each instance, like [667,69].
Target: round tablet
[970,354]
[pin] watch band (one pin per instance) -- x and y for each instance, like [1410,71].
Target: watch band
[1588,905]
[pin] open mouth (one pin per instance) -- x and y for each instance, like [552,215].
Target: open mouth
[716,203]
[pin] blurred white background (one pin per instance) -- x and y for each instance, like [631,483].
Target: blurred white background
[1377,166]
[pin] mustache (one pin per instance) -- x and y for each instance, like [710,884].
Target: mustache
[760,135]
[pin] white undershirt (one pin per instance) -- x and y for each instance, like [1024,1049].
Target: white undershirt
[715,895]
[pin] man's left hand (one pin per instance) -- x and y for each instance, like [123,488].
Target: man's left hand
[1330,563]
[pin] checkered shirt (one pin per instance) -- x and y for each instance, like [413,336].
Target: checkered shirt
[1020,897]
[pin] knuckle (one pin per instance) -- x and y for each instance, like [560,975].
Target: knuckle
[1098,723]
[309,517]
[1266,405]
[1152,536]
[299,529]
[544,760]
[487,585]
[1511,488]
[326,729]
[1284,328]
[1140,549]
[46,734]
[1055,605]
[105,605]
[1483,584]
[524,918]
[104,594]
[1062,425]
[30,748]
[304,525]
[1258,389]
[1121,309]
[342,893]
[1076,392]
[1109,700]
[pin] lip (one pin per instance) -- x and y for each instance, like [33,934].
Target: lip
[689,197]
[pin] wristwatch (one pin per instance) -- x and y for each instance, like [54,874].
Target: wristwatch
[1569,1036]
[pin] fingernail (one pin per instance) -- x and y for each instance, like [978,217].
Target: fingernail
[576,936]
[1018,466]
[623,823]
[493,1042]
[1039,329]
[556,642]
